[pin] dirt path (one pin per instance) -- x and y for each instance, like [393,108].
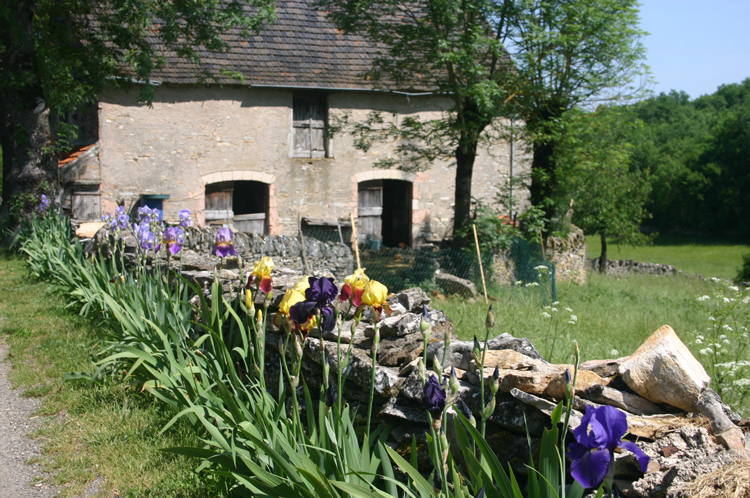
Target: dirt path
[17,479]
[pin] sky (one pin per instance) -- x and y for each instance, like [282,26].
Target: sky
[696,45]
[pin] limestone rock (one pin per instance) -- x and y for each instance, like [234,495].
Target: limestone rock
[88,230]
[603,368]
[631,403]
[663,370]
[692,454]
[452,284]
[459,352]
[411,299]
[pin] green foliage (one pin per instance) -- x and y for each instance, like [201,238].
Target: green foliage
[594,163]
[724,341]
[204,361]
[743,272]
[696,155]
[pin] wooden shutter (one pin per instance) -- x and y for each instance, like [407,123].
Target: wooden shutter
[309,117]
[317,128]
[301,116]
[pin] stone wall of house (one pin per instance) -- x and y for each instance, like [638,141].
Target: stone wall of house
[195,135]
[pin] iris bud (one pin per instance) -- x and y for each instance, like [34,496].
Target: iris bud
[489,409]
[569,390]
[437,367]
[453,382]
[248,300]
[495,383]
[422,370]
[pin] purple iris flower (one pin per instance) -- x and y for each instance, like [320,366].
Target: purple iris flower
[173,239]
[120,210]
[184,218]
[44,204]
[122,220]
[321,291]
[146,238]
[434,397]
[328,319]
[224,245]
[300,313]
[592,454]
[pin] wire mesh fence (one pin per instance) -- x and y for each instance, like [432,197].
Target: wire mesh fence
[400,268]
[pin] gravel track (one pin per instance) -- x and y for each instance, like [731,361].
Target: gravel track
[17,479]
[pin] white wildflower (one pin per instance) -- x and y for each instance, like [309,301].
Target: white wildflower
[734,288]
[699,341]
[741,382]
[541,268]
[571,323]
[556,303]
[706,351]
[554,309]
[532,284]
[727,327]
[704,298]
[569,310]
[726,341]
[723,336]
[546,315]
[746,300]
[573,318]
[726,300]
[614,353]
[712,319]
[715,280]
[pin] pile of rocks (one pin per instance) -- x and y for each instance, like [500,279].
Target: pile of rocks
[621,267]
[681,423]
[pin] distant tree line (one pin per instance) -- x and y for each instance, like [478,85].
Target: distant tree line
[696,155]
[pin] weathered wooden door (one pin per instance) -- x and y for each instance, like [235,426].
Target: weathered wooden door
[370,208]
[219,203]
[86,205]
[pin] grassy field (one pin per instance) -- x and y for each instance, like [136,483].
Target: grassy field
[110,431]
[690,253]
[611,314]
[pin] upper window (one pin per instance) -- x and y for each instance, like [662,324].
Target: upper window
[310,114]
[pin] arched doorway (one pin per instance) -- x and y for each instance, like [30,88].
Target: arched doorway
[384,210]
[241,203]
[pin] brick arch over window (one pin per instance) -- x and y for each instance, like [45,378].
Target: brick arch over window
[272,220]
[238,175]
[385,174]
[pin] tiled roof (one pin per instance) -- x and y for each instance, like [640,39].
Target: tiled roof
[301,49]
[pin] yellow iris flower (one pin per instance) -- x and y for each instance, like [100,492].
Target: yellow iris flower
[375,294]
[357,279]
[291,297]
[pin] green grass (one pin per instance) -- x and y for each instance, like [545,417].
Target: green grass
[707,256]
[614,313]
[110,431]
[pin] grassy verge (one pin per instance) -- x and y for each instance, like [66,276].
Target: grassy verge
[611,314]
[690,253]
[110,431]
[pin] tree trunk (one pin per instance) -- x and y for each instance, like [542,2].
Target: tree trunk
[603,257]
[543,178]
[465,157]
[29,169]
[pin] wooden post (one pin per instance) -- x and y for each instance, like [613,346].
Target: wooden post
[481,268]
[305,265]
[541,240]
[355,243]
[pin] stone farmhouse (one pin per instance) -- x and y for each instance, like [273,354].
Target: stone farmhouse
[254,152]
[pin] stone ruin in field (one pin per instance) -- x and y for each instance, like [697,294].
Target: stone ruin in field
[673,416]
